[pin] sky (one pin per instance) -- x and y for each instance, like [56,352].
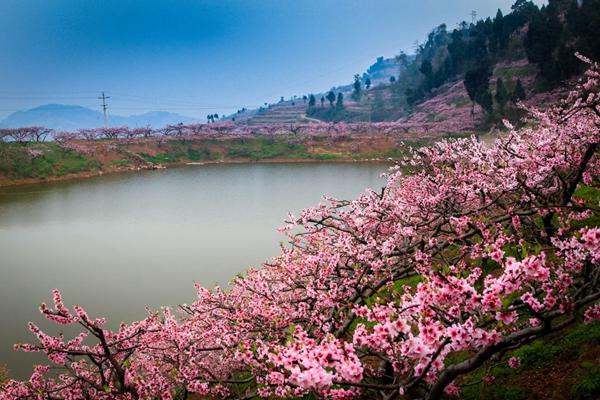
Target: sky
[197,57]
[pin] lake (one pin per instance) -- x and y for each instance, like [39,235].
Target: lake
[118,244]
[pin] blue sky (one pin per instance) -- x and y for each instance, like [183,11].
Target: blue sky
[201,56]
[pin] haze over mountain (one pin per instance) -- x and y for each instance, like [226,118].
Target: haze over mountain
[72,117]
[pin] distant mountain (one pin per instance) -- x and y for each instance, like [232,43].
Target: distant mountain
[71,117]
[155,119]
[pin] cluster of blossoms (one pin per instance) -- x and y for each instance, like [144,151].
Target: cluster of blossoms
[477,250]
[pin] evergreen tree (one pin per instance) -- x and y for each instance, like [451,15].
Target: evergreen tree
[339,104]
[331,98]
[477,82]
[457,49]
[543,37]
[499,36]
[519,92]
[357,88]
[368,83]
[486,101]
[312,100]
[501,96]
[427,70]
[583,20]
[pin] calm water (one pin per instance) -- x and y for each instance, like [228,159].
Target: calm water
[118,244]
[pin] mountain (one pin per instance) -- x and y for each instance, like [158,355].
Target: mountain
[71,117]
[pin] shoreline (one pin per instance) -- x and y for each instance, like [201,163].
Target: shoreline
[95,174]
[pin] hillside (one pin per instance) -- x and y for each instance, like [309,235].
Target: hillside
[465,79]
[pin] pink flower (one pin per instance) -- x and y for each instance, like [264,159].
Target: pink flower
[514,362]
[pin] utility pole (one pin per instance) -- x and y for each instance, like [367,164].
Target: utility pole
[104,108]
[473,17]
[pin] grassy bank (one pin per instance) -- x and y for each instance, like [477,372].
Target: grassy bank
[39,162]
[17,163]
[565,365]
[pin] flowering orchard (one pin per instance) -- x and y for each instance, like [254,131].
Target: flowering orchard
[479,250]
[27,134]
[193,131]
[98,141]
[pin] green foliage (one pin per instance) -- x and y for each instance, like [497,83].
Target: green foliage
[591,196]
[336,114]
[326,156]
[161,158]
[537,354]
[556,349]
[121,163]
[583,21]
[566,346]
[378,112]
[356,88]
[589,193]
[556,31]
[477,83]
[427,70]
[183,150]
[519,92]
[505,392]
[501,95]
[330,98]
[339,104]
[265,148]
[199,154]
[589,387]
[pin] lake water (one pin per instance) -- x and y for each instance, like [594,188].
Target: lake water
[120,243]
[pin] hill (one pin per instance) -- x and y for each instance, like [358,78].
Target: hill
[71,117]
[463,79]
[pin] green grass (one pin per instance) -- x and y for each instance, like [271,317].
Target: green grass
[264,148]
[255,149]
[16,163]
[121,163]
[591,196]
[330,114]
[589,387]
[559,348]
